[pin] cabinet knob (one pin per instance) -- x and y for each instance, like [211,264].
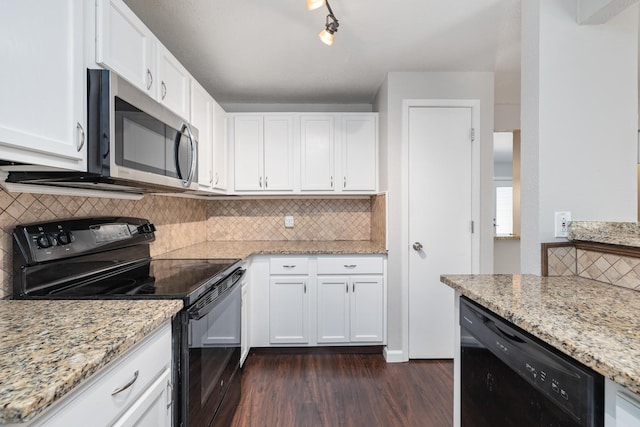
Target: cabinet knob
[417,246]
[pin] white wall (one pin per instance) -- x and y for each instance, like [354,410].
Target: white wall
[428,85]
[579,118]
[506,117]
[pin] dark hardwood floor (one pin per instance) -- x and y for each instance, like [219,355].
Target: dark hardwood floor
[310,390]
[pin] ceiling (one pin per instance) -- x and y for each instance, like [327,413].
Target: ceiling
[267,51]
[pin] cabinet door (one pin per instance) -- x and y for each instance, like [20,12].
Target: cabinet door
[317,151]
[278,153]
[202,119]
[173,85]
[125,45]
[367,309]
[627,410]
[333,309]
[153,408]
[245,339]
[43,83]
[288,310]
[359,152]
[248,167]
[219,147]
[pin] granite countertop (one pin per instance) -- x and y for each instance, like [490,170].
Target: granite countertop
[244,249]
[49,347]
[593,322]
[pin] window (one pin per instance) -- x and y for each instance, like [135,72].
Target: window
[504,208]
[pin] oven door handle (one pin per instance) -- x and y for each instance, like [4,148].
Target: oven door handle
[197,313]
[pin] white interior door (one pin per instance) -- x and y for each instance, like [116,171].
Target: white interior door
[440,230]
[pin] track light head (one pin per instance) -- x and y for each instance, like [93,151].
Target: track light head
[314,4]
[330,26]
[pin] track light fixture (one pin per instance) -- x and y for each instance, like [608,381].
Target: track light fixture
[330,26]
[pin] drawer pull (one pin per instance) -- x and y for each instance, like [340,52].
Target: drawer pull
[126,386]
[289,266]
[350,265]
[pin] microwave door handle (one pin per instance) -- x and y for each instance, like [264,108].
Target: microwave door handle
[186,183]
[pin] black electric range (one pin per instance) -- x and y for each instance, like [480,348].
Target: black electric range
[109,258]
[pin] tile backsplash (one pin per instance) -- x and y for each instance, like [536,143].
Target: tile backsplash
[314,219]
[182,222]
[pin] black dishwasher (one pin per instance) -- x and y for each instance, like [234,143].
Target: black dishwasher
[510,378]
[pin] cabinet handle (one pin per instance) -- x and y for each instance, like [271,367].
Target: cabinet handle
[260,182]
[331,181]
[217,178]
[164,90]
[289,266]
[266,182]
[350,265]
[81,136]
[126,386]
[149,79]
[344,182]
[211,177]
[354,288]
[169,394]
[305,288]
[347,288]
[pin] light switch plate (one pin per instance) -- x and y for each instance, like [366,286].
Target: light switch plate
[288,221]
[561,223]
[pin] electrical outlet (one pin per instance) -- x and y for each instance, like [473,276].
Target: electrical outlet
[561,223]
[288,221]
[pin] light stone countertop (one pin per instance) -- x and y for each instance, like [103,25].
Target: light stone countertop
[593,322]
[244,249]
[50,347]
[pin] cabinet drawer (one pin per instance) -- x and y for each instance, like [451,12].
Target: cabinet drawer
[350,265]
[94,399]
[289,265]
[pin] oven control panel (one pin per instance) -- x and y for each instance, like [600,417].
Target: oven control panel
[41,242]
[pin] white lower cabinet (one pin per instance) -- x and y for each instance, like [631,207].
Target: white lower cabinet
[245,317]
[622,406]
[288,310]
[135,389]
[318,300]
[351,308]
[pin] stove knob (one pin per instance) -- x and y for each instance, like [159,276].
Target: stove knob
[44,241]
[64,238]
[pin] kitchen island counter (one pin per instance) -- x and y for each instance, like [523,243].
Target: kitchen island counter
[593,322]
[50,347]
[246,248]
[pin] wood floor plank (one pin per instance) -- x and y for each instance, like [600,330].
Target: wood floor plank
[344,390]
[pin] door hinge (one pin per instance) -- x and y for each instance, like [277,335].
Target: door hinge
[473,227]
[473,134]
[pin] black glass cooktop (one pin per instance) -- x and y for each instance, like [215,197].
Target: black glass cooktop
[147,278]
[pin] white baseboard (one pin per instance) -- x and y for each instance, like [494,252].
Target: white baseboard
[393,356]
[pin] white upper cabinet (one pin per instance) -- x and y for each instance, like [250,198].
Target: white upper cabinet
[172,89]
[43,83]
[125,45]
[317,144]
[263,152]
[219,147]
[359,152]
[278,153]
[202,105]
[248,146]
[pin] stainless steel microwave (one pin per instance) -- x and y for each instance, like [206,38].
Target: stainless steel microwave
[134,144]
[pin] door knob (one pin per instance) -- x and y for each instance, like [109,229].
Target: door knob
[417,246]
